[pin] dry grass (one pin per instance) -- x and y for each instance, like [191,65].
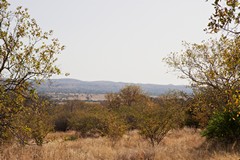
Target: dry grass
[184,144]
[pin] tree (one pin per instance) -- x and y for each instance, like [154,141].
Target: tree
[213,69]
[27,56]
[214,64]
[155,121]
[204,103]
[226,16]
[113,100]
[26,51]
[131,94]
[128,96]
[34,122]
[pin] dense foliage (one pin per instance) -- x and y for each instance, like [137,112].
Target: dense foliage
[224,127]
[133,110]
[213,69]
[27,56]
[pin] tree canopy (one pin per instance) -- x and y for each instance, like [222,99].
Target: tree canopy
[215,63]
[27,56]
[226,16]
[26,51]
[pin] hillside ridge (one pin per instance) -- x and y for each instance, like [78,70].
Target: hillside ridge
[102,87]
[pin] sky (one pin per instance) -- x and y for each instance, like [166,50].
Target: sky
[121,40]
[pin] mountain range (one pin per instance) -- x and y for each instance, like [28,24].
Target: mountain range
[103,87]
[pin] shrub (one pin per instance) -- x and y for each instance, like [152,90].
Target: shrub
[88,125]
[191,120]
[31,124]
[128,115]
[154,122]
[61,124]
[115,127]
[224,126]
[62,113]
[97,121]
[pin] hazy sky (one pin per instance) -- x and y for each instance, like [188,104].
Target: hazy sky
[121,40]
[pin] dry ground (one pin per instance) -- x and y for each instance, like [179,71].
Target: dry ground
[184,144]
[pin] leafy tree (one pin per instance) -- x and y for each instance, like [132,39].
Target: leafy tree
[205,101]
[226,16]
[155,121]
[27,56]
[214,64]
[113,100]
[34,122]
[125,102]
[213,69]
[130,95]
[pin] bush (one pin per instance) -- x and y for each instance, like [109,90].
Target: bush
[88,125]
[154,122]
[224,126]
[115,127]
[61,124]
[128,115]
[62,113]
[61,120]
[32,123]
[190,119]
[97,121]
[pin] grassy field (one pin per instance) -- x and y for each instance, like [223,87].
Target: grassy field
[184,144]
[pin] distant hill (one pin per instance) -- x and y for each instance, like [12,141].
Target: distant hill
[102,87]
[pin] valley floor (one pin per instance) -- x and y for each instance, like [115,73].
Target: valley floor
[184,144]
